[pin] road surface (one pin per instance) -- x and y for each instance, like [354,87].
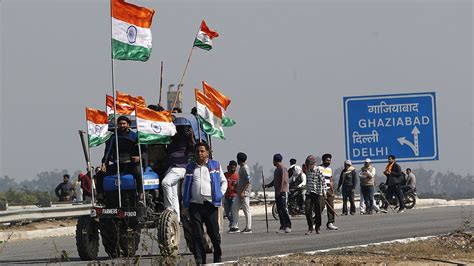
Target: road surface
[353,230]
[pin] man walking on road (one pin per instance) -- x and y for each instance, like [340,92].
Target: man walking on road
[348,181]
[393,172]
[327,173]
[242,198]
[367,182]
[232,178]
[204,185]
[315,194]
[280,182]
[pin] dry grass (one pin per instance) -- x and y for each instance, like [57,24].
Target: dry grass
[456,248]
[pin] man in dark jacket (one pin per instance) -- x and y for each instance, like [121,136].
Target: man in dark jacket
[129,159]
[393,172]
[280,182]
[348,181]
[65,190]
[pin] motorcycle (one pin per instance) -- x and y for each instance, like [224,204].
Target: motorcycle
[380,197]
[294,202]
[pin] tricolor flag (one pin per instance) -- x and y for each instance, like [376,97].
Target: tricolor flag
[123,108]
[97,127]
[204,37]
[221,100]
[154,127]
[209,115]
[131,34]
[130,100]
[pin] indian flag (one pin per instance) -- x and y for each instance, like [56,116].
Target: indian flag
[123,108]
[130,100]
[204,37]
[97,127]
[209,115]
[131,34]
[154,127]
[221,100]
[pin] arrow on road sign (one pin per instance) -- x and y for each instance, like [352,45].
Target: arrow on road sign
[415,147]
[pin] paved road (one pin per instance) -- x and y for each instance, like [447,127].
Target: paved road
[354,230]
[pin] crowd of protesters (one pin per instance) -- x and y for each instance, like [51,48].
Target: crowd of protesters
[205,187]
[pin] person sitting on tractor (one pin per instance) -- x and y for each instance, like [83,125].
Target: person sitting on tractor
[129,158]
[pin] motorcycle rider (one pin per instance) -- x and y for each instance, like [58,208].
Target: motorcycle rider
[297,182]
[393,172]
[411,182]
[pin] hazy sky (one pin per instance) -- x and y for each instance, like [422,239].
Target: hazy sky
[286,65]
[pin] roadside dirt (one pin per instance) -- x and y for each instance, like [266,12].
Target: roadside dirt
[46,224]
[456,248]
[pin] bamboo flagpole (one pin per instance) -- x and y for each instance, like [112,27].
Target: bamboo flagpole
[184,72]
[141,160]
[161,83]
[115,109]
[197,116]
[265,200]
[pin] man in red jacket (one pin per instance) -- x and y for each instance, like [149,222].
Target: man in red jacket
[232,177]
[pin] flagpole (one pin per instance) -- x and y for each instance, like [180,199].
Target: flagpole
[115,111]
[184,72]
[161,83]
[197,116]
[141,161]
[89,167]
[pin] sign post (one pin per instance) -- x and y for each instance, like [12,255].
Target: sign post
[404,125]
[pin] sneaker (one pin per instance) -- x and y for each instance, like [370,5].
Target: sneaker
[309,232]
[317,231]
[383,210]
[330,226]
[344,214]
[281,231]
[233,231]
[352,213]
[287,230]
[401,211]
[362,213]
[246,231]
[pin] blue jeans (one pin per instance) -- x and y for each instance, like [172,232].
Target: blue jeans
[368,193]
[282,207]
[228,202]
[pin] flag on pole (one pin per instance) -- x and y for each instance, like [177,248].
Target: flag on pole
[131,34]
[97,127]
[129,100]
[154,127]
[123,108]
[221,100]
[209,115]
[204,37]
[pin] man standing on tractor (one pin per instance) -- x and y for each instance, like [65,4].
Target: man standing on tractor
[179,151]
[129,159]
[203,188]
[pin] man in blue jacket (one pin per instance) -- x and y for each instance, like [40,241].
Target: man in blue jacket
[203,188]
